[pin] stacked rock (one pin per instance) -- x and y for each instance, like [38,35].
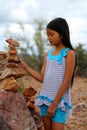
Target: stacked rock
[11,71]
[29,93]
[3,56]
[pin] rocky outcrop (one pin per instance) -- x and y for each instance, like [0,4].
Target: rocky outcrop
[14,114]
[11,71]
[4,124]
[17,110]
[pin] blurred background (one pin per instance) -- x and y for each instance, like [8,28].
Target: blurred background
[25,21]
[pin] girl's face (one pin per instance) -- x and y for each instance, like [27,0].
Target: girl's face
[53,37]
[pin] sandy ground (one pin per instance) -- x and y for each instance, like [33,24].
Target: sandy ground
[79,101]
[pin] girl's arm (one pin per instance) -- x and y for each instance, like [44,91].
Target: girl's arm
[70,64]
[38,76]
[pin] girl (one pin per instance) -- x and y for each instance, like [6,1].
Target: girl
[56,75]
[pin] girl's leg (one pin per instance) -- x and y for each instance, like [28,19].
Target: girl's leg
[57,126]
[59,119]
[47,123]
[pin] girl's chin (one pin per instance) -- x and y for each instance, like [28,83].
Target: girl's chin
[51,44]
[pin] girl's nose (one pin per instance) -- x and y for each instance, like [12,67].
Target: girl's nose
[49,38]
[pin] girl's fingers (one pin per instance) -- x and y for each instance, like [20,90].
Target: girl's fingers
[50,114]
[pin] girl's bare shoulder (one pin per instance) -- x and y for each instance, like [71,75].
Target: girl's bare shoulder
[71,53]
[46,54]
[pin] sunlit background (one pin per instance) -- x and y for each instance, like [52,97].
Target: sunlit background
[26,11]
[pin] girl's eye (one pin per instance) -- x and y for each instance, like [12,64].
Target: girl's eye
[51,34]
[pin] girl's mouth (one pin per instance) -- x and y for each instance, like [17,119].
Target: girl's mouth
[51,42]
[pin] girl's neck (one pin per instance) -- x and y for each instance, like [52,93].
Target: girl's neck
[59,47]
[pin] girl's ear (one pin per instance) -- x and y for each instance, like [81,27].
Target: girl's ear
[61,36]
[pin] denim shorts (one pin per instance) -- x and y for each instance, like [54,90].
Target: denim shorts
[60,116]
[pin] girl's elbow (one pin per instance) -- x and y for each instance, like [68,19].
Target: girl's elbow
[41,79]
[66,82]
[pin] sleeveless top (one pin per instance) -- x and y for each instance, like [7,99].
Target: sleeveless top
[53,78]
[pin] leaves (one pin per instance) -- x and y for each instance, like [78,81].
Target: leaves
[81,61]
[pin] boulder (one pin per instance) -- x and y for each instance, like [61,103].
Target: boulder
[12,72]
[14,112]
[4,124]
[10,84]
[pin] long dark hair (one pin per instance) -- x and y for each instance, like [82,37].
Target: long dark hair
[61,26]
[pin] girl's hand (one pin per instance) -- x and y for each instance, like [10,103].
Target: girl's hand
[51,110]
[22,64]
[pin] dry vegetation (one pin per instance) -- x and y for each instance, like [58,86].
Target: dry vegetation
[79,100]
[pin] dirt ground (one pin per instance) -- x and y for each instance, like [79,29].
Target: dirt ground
[79,101]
